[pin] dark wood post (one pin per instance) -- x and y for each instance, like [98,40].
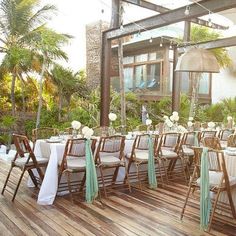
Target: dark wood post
[106,65]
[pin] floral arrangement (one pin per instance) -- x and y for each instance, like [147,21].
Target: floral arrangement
[174,118]
[148,122]
[87,132]
[112,116]
[229,118]
[211,125]
[190,122]
[75,124]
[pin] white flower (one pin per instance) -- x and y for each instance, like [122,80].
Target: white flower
[75,124]
[229,118]
[85,129]
[172,118]
[148,121]
[88,134]
[181,128]
[175,113]
[190,123]
[165,117]
[112,116]
[169,123]
[175,118]
[190,118]
[211,124]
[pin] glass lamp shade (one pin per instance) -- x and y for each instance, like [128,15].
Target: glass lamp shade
[197,60]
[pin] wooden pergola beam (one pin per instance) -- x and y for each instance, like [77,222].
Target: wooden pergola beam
[161,9]
[218,43]
[171,17]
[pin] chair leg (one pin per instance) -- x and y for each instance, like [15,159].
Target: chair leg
[8,176]
[69,186]
[231,201]
[213,210]
[182,165]
[159,167]
[31,174]
[103,182]
[127,178]
[138,175]
[166,174]
[82,182]
[186,201]
[115,175]
[128,168]
[18,184]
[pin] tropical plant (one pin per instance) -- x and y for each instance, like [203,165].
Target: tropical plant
[19,21]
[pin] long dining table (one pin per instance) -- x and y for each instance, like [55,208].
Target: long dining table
[54,152]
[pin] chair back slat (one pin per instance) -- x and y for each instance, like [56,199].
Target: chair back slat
[225,133]
[170,140]
[231,142]
[212,142]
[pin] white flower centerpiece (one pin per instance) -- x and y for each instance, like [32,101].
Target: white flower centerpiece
[76,126]
[168,123]
[148,124]
[174,118]
[211,125]
[190,123]
[112,117]
[87,132]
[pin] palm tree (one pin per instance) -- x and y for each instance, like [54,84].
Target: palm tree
[19,21]
[47,44]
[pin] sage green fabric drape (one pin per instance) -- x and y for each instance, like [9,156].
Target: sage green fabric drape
[205,201]
[152,180]
[91,174]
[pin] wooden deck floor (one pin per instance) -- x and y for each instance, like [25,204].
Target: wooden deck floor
[146,212]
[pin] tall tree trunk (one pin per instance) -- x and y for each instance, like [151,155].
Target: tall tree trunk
[13,101]
[121,74]
[41,91]
[22,95]
[194,95]
[59,105]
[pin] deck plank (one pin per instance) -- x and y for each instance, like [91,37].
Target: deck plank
[141,212]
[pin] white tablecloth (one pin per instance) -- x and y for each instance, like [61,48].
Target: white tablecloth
[54,151]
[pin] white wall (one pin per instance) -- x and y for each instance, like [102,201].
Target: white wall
[224,83]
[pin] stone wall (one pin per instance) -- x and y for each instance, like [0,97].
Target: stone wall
[93,52]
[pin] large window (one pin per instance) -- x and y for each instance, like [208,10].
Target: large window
[143,71]
[204,84]
[186,83]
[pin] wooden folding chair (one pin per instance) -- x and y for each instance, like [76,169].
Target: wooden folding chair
[212,142]
[74,161]
[231,142]
[169,154]
[189,140]
[218,179]
[110,155]
[26,161]
[139,156]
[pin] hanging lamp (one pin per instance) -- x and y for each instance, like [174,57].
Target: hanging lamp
[198,60]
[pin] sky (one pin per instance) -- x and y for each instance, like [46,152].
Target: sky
[73,15]
[71,18]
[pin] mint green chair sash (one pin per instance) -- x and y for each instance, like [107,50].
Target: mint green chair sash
[196,143]
[205,201]
[91,174]
[152,180]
